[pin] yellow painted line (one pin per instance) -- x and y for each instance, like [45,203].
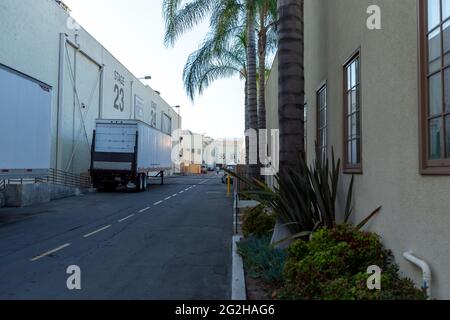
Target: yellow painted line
[97,231]
[50,252]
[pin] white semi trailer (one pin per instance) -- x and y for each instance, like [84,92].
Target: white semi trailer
[125,152]
[25,125]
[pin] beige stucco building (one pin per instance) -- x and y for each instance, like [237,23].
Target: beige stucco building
[379,98]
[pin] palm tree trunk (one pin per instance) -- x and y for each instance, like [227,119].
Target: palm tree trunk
[247,124]
[291,93]
[251,82]
[262,48]
[291,82]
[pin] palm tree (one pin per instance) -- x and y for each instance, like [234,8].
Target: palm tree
[291,94]
[267,13]
[252,92]
[291,81]
[227,20]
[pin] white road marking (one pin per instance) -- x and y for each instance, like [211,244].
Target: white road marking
[167,198]
[97,231]
[204,181]
[181,192]
[126,218]
[143,210]
[50,252]
[175,194]
[156,203]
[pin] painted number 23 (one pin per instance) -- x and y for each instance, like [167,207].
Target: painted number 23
[119,103]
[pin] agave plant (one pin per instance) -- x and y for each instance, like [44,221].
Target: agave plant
[304,198]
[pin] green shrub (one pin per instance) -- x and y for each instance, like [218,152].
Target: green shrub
[258,222]
[333,265]
[261,260]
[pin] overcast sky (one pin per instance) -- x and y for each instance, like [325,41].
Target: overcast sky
[133,32]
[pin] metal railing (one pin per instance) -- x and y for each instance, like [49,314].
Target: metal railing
[67,179]
[56,177]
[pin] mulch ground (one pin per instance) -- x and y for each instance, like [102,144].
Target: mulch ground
[258,289]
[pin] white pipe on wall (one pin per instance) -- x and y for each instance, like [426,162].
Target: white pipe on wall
[426,271]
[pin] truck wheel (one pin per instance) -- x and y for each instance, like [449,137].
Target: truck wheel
[139,183]
[144,182]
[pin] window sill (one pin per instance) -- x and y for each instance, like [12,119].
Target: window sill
[435,171]
[355,170]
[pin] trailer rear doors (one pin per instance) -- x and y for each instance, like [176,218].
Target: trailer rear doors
[25,125]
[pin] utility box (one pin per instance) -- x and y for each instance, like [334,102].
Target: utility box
[25,125]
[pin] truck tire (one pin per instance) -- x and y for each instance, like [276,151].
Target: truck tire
[144,182]
[138,183]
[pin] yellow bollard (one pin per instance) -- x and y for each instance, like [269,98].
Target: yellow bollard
[229,186]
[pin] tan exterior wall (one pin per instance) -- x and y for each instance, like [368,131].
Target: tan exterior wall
[416,208]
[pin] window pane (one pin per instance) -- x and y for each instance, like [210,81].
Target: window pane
[434,50]
[447,136]
[354,78]
[322,118]
[349,152]
[353,129]
[447,89]
[323,138]
[446,35]
[358,124]
[354,152]
[435,95]
[349,77]
[445,9]
[434,15]
[358,151]
[349,102]
[435,138]
[354,100]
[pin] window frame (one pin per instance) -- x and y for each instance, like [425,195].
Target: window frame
[319,148]
[347,167]
[429,166]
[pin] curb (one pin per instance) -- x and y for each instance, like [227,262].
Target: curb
[238,290]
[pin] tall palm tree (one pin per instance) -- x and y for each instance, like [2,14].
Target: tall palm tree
[291,94]
[267,16]
[252,100]
[291,82]
[227,18]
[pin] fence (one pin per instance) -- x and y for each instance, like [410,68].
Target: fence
[56,177]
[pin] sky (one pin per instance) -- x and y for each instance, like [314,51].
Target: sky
[133,31]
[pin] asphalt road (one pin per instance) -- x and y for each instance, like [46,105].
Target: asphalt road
[170,242]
